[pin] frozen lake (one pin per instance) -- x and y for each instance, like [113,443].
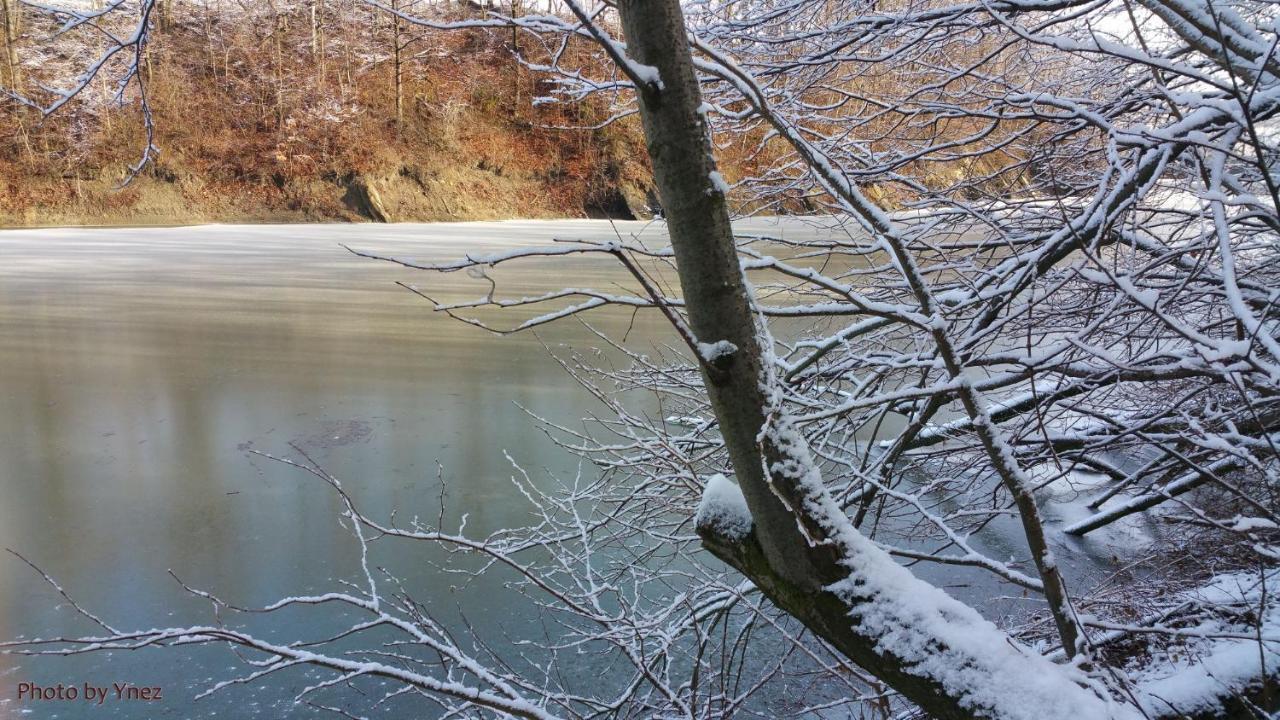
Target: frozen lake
[138,365]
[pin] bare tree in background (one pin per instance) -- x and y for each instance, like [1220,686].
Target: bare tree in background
[108,44]
[1069,319]
[11,16]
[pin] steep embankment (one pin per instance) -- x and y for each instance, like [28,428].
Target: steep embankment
[277,115]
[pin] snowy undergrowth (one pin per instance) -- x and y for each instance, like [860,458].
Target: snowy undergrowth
[1192,677]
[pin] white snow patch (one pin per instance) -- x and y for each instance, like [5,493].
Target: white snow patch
[723,509]
[1197,677]
[1229,668]
[646,74]
[712,352]
[718,182]
[1246,524]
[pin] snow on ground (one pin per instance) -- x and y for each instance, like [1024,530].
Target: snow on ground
[1192,680]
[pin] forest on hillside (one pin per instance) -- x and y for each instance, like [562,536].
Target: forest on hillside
[274,111]
[338,110]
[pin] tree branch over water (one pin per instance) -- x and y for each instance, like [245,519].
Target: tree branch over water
[1039,297]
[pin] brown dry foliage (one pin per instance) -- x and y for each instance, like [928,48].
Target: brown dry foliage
[253,125]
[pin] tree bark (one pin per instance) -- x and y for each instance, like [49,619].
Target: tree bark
[11,12]
[710,277]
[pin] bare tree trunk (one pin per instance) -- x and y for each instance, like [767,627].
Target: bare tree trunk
[515,55]
[345,80]
[318,39]
[210,55]
[397,64]
[277,39]
[106,113]
[710,276]
[12,26]
[11,16]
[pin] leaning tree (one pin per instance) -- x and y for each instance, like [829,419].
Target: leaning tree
[1041,297]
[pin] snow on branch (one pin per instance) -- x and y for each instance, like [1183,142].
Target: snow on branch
[723,510]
